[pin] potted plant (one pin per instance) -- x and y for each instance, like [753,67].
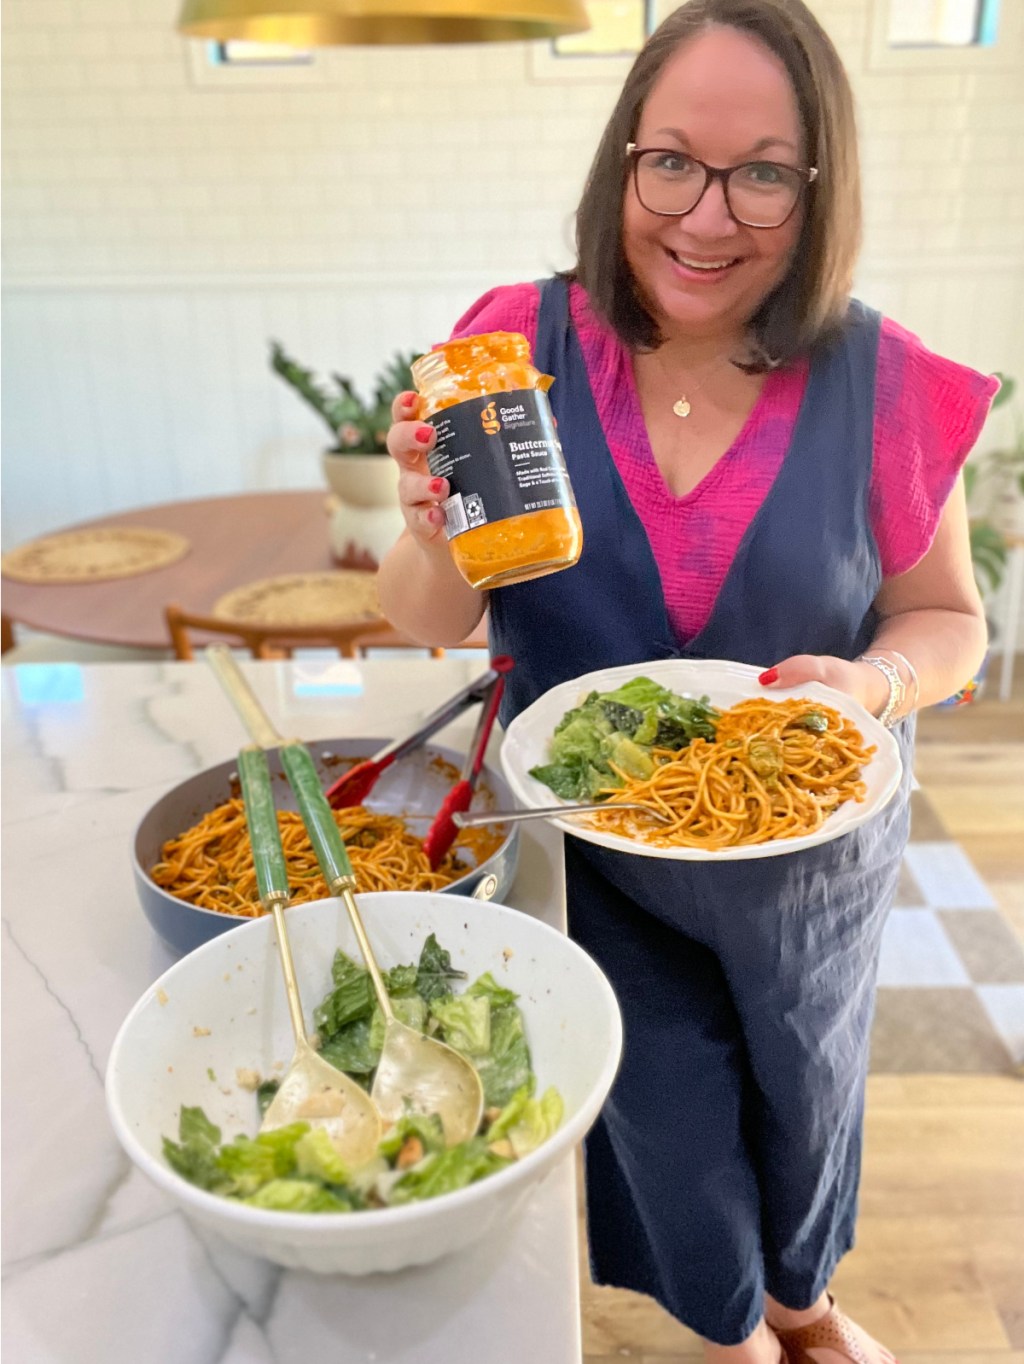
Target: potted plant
[994,481]
[996,477]
[365,518]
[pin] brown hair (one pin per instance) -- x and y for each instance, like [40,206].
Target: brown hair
[808,306]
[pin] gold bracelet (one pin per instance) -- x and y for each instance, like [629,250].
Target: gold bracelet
[897,691]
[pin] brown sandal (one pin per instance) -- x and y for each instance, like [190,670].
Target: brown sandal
[832,1331]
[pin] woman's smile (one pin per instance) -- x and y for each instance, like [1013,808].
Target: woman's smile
[703,270]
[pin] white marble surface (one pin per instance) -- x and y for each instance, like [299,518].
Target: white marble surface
[97,1265]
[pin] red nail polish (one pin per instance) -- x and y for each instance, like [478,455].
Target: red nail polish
[769,676]
[408,400]
[423,434]
[436,484]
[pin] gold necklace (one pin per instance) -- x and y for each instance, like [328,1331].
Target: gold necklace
[682,406]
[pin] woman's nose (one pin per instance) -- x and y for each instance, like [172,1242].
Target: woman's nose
[711,217]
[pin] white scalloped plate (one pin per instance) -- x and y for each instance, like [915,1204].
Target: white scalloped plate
[526,745]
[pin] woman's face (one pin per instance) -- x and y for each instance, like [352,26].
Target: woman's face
[726,99]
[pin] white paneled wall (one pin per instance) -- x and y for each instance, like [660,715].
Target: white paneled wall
[157,232]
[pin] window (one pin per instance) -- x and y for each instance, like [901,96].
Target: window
[256,54]
[942,23]
[945,35]
[240,65]
[617,28]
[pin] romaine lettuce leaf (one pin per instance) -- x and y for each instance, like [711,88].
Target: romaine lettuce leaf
[249,1162]
[317,1156]
[297,1195]
[446,1171]
[525,1122]
[408,1009]
[537,1121]
[507,1067]
[194,1156]
[425,1126]
[497,994]
[628,756]
[465,1022]
[618,729]
[435,971]
[351,998]
[352,1049]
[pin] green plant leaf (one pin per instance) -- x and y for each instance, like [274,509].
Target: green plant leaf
[1006,389]
[357,426]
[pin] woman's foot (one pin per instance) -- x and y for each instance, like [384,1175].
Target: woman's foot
[824,1335]
[762,1347]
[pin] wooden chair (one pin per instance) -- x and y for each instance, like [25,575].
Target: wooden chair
[393,639]
[270,641]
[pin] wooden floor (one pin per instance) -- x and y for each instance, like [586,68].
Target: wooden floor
[938,1272]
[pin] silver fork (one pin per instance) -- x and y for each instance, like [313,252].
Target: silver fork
[471,819]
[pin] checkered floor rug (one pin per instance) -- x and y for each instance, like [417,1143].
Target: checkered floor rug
[951,980]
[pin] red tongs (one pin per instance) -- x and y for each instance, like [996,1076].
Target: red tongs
[443,831]
[356,784]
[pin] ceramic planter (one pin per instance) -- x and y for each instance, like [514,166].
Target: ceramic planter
[365,516]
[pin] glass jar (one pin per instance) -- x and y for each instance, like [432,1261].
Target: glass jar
[510,514]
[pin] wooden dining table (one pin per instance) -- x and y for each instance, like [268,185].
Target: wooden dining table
[233,540]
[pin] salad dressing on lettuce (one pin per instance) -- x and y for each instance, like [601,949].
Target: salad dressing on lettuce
[297,1169]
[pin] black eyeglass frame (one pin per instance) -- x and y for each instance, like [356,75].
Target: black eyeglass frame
[712,173]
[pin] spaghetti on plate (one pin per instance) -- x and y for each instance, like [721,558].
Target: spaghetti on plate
[774,770]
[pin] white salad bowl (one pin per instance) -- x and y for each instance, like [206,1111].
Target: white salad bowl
[223,1009]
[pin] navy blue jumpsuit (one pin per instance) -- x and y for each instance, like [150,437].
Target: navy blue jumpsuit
[726,1160]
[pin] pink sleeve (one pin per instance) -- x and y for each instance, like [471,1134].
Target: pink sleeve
[929,412]
[510,308]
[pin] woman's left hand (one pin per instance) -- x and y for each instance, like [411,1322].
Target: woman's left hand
[862,681]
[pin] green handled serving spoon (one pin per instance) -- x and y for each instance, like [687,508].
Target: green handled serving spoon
[415,1073]
[312,1090]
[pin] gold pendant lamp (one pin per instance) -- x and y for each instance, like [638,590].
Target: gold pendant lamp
[323,23]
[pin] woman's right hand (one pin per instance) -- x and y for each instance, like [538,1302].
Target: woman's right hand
[419,494]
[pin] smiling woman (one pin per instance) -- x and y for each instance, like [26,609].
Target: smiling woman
[766,471]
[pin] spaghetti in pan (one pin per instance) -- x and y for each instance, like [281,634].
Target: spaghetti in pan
[210,865]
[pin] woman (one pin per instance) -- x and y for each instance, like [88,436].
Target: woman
[769,472]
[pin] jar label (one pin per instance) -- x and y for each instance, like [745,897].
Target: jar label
[501,457]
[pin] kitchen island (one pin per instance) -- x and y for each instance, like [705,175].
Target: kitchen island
[97,1264]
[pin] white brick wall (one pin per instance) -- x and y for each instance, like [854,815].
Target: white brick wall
[157,231]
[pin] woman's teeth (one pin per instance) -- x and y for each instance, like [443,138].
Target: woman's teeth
[703,264]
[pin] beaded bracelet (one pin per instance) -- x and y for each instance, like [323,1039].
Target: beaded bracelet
[897,691]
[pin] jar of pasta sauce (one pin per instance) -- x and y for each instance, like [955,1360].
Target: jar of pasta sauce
[510,514]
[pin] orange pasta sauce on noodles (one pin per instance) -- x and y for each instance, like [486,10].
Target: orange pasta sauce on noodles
[211,865]
[775,770]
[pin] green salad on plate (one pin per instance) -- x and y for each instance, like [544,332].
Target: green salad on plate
[615,732]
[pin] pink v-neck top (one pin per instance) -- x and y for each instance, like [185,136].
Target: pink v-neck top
[928,414]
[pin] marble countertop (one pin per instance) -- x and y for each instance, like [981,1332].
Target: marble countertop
[97,1264]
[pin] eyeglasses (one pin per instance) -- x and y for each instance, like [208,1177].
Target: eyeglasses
[757,194]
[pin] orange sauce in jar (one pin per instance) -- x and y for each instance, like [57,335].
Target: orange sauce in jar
[510,515]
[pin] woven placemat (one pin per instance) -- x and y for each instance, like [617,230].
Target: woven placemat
[303,599]
[90,556]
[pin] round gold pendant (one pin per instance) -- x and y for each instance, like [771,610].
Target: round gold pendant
[681,408]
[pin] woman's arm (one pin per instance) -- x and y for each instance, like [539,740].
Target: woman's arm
[421,591]
[933,615]
[423,594]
